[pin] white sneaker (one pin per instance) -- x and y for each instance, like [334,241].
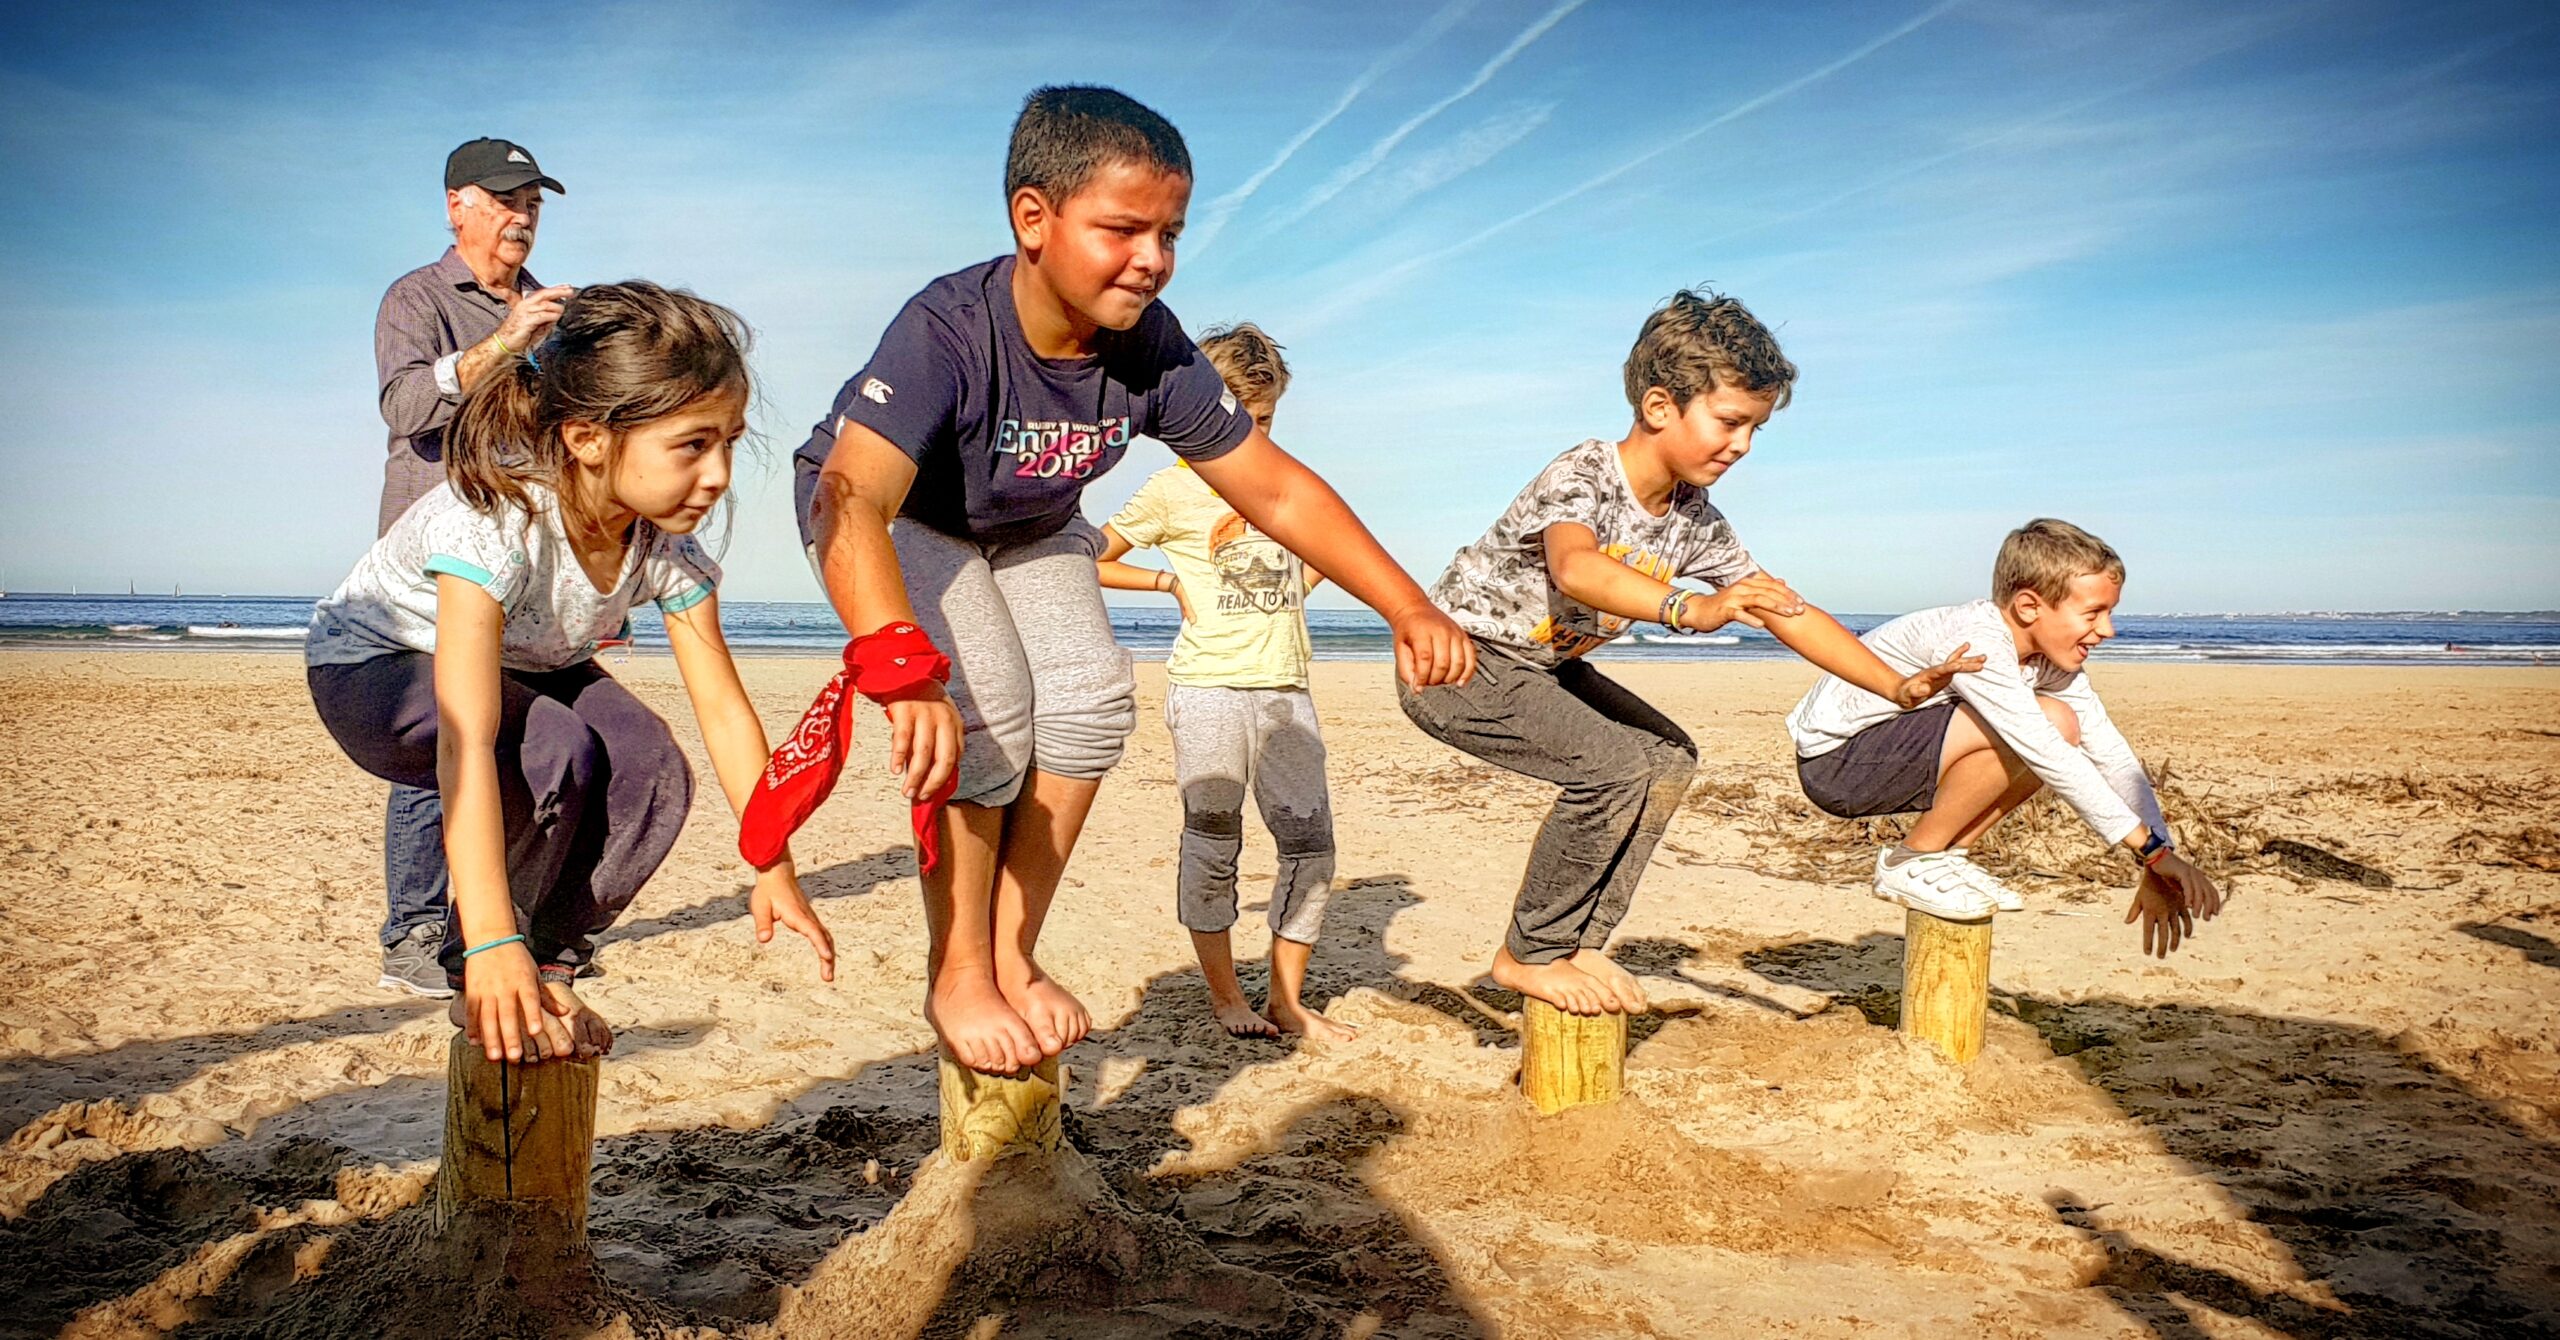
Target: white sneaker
[1934,882]
[2001,895]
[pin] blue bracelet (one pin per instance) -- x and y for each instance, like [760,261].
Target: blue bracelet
[510,940]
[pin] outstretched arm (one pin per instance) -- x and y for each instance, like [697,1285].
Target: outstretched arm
[1814,635]
[1278,493]
[734,737]
[860,490]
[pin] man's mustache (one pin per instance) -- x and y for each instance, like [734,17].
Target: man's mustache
[511,233]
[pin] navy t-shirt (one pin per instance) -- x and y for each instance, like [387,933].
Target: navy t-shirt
[1005,441]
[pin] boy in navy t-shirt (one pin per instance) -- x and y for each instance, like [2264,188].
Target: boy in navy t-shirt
[944,488]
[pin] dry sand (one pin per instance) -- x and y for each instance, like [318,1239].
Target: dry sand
[2336,1114]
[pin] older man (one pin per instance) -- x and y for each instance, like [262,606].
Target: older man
[442,328]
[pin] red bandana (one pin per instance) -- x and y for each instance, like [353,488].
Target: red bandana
[897,662]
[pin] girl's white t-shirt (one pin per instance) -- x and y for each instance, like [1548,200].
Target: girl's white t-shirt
[555,616]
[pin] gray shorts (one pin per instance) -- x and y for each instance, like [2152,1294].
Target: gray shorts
[1890,767]
[1039,680]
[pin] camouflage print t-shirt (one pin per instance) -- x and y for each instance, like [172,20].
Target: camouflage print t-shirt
[1498,589]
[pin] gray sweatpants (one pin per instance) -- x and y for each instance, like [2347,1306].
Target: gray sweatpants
[1034,671]
[1624,768]
[1225,741]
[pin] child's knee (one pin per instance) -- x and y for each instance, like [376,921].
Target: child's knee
[1213,807]
[1085,736]
[2063,718]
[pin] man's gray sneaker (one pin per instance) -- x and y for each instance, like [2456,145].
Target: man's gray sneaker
[410,965]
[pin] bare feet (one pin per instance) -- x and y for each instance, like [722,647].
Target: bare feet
[588,1031]
[1237,1017]
[1560,984]
[1058,1020]
[1293,1017]
[1625,992]
[977,1026]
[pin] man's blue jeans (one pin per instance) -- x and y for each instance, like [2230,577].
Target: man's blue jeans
[413,874]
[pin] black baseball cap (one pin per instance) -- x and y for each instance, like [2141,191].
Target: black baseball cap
[494,165]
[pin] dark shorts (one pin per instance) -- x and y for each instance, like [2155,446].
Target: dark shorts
[1890,767]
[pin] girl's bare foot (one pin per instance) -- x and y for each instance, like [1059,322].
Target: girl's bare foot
[977,1027]
[1560,984]
[1292,1017]
[1622,986]
[1237,1017]
[588,1032]
[1058,1020]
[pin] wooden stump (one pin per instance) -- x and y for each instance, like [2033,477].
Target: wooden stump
[1568,1060]
[1946,982]
[519,1138]
[989,1116]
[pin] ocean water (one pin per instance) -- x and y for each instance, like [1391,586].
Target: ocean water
[806,628]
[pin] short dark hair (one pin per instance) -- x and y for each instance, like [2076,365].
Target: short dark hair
[1069,132]
[1700,340]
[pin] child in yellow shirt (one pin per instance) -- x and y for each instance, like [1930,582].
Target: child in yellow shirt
[1238,707]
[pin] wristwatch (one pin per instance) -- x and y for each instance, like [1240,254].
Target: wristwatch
[2153,848]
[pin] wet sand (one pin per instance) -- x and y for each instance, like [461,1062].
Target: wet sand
[2337,1113]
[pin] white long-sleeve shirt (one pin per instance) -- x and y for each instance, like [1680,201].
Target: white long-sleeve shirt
[2100,779]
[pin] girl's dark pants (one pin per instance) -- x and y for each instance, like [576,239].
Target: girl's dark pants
[592,784]
[1624,768]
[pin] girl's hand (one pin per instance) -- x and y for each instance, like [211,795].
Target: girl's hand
[1745,601]
[2165,919]
[777,898]
[503,1009]
[1430,647]
[2196,892]
[1924,684]
[924,743]
[1181,601]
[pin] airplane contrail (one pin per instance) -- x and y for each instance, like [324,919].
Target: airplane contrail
[1388,277]
[1376,153]
[1214,217]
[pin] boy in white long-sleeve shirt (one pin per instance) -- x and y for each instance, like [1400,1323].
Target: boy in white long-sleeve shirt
[2027,719]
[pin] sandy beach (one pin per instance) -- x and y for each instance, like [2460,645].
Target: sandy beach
[2336,1113]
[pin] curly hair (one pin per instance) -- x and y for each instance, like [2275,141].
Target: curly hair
[1249,360]
[1700,340]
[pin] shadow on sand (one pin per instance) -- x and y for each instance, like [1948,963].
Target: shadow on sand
[2422,1207]
[725,1228]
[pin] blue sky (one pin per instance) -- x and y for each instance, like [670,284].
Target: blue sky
[2268,295]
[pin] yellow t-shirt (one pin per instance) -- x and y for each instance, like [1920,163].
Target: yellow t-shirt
[1248,628]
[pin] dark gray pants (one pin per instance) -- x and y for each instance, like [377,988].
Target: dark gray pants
[1624,768]
[592,784]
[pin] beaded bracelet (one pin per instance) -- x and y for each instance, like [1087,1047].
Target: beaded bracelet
[510,940]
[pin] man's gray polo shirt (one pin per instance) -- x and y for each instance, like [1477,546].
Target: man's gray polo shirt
[429,316]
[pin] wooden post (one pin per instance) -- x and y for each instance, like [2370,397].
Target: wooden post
[518,1137]
[988,1116]
[1568,1060]
[1946,982]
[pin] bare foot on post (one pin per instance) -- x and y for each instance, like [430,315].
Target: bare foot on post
[977,1026]
[1560,984]
[1626,994]
[1057,1020]
[588,1031]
